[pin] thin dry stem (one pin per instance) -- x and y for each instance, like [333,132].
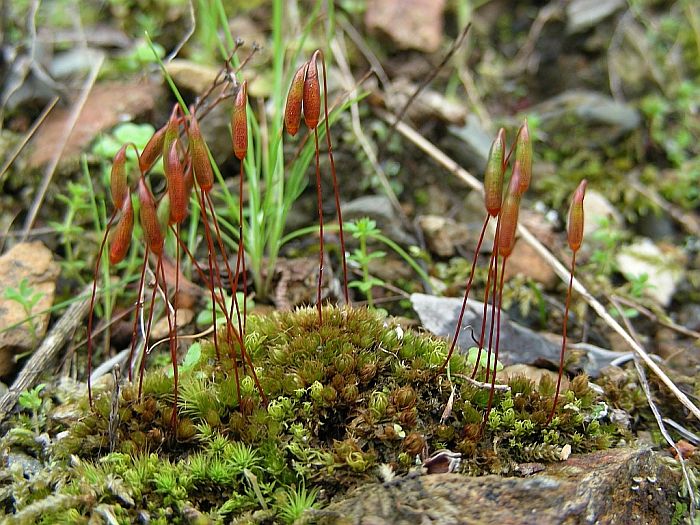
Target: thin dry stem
[53,163]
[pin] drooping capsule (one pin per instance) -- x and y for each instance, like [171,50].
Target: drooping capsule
[149,219]
[292,110]
[495,170]
[118,183]
[239,122]
[171,135]
[203,173]
[152,150]
[178,195]
[575,222]
[312,94]
[123,230]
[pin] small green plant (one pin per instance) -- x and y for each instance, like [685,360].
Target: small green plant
[296,502]
[362,230]
[27,298]
[473,354]
[608,238]
[31,400]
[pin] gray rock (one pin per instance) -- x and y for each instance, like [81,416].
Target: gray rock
[608,487]
[378,208]
[26,464]
[589,108]
[584,14]
[518,344]
[473,144]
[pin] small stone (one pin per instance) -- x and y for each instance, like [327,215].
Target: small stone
[427,105]
[108,104]
[442,234]
[32,262]
[565,452]
[596,209]
[518,344]
[526,261]
[410,24]
[192,76]
[664,269]
[472,144]
[585,14]
[161,329]
[533,373]
[378,208]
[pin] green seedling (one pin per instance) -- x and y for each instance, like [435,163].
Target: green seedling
[27,298]
[362,230]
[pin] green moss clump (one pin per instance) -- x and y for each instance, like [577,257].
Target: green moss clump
[343,399]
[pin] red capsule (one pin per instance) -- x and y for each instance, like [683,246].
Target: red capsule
[509,217]
[177,187]
[292,111]
[239,122]
[312,94]
[121,238]
[575,222]
[118,183]
[149,219]
[201,166]
[152,150]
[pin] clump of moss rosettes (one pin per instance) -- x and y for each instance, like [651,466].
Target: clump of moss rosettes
[344,398]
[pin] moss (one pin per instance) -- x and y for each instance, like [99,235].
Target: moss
[343,399]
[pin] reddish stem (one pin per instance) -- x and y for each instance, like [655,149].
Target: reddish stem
[91,311]
[466,296]
[240,259]
[494,323]
[229,273]
[492,262]
[498,340]
[172,334]
[319,198]
[146,336]
[139,305]
[563,339]
[335,184]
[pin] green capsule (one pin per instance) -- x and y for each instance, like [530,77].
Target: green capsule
[495,170]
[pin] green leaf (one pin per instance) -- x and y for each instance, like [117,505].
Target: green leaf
[31,399]
[474,351]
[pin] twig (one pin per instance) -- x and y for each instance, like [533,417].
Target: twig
[556,265]
[428,79]
[357,129]
[524,61]
[688,221]
[666,435]
[187,35]
[663,322]
[687,434]
[486,386]
[657,415]
[27,136]
[51,167]
[113,424]
[42,357]
[369,55]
